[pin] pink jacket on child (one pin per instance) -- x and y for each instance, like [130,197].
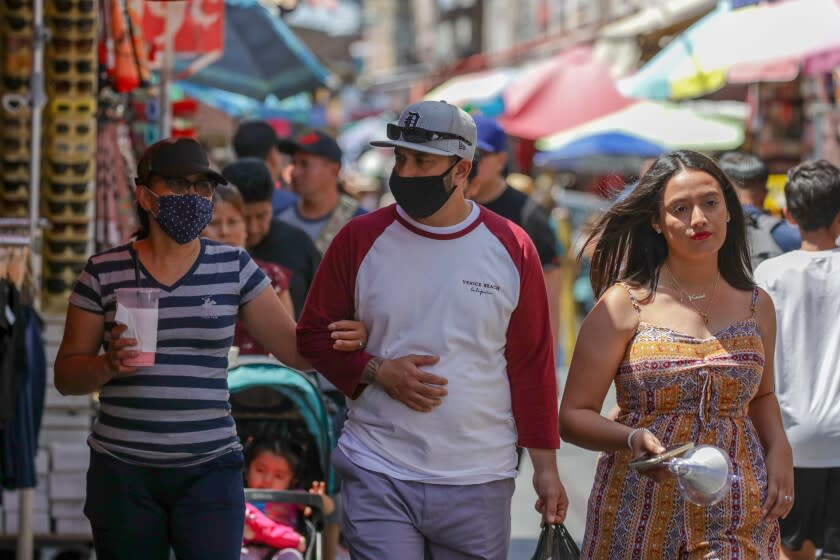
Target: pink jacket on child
[269,532]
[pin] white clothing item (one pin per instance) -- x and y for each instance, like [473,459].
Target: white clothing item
[805,288]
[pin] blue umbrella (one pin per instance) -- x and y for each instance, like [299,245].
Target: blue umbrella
[603,152]
[295,108]
[261,57]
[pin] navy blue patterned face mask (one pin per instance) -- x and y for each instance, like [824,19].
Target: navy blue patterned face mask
[183,217]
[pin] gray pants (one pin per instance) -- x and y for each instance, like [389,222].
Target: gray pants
[386,518]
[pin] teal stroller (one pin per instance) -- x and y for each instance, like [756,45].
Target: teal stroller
[269,400]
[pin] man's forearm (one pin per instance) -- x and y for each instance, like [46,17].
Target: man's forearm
[543,459]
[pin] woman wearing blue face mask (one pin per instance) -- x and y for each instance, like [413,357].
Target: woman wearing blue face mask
[166,464]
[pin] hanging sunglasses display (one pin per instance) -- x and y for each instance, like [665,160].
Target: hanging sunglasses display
[70,232]
[14,190]
[68,137]
[67,192]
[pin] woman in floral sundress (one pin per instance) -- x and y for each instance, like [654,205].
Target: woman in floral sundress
[688,340]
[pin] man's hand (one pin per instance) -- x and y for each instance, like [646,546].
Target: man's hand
[404,381]
[552,501]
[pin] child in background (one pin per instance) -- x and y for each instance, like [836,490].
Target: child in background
[275,466]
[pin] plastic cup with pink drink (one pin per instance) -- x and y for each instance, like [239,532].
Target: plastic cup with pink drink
[137,309]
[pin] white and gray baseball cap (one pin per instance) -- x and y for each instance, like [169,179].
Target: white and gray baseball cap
[433,127]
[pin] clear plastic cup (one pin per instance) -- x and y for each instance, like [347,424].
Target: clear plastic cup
[137,309]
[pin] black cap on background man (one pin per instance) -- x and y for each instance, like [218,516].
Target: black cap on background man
[258,139]
[315,142]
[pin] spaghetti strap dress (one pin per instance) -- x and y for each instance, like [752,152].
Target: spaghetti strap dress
[685,389]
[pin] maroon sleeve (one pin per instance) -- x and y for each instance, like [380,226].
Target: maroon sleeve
[332,297]
[530,350]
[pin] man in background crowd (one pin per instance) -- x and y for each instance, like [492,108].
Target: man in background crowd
[768,236]
[322,208]
[270,239]
[258,139]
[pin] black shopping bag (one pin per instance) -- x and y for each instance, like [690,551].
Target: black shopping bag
[556,544]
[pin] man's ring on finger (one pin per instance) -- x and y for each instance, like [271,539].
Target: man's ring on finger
[361,344]
[788,498]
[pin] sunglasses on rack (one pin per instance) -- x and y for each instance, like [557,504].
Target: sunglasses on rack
[14,188]
[15,85]
[64,247]
[17,133]
[78,169]
[14,5]
[54,268]
[66,25]
[64,148]
[18,23]
[16,122]
[81,106]
[60,208]
[65,66]
[14,208]
[15,169]
[64,128]
[80,87]
[58,285]
[420,135]
[68,5]
[15,144]
[65,189]
[68,230]
[79,46]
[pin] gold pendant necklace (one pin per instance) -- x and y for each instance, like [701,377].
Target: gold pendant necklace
[691,298]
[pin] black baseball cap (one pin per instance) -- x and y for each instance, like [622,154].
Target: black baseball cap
[175,157]
[254,138]
[316,142]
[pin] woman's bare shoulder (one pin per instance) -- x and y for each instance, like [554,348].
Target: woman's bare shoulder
[619,306]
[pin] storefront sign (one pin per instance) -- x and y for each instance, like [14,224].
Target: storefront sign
[199,25]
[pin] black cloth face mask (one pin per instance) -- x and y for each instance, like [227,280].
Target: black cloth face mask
[421,197]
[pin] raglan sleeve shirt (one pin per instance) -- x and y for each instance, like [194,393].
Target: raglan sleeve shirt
[528,348]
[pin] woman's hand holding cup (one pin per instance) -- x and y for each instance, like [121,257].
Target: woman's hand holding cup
[119,350]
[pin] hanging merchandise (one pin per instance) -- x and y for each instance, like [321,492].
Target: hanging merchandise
[22,369]
[115,219]
[183,117]
[69,144]
[129,70]
[15,70]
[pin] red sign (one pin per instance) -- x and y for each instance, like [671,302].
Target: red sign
[198,25]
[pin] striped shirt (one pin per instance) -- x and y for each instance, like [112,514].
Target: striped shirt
[175,413]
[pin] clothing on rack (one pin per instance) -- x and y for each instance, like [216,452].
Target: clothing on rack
[20,435]
[12,346]
[115,218]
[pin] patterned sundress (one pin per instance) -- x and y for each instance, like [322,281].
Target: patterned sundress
[685,389]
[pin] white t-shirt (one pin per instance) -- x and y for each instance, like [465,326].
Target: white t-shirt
[473,294]
[805,288]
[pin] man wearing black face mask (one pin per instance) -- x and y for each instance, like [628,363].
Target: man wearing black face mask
[459,365]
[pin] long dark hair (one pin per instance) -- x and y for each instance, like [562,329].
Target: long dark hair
[627,247]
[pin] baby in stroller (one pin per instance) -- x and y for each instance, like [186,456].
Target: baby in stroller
[271,529]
